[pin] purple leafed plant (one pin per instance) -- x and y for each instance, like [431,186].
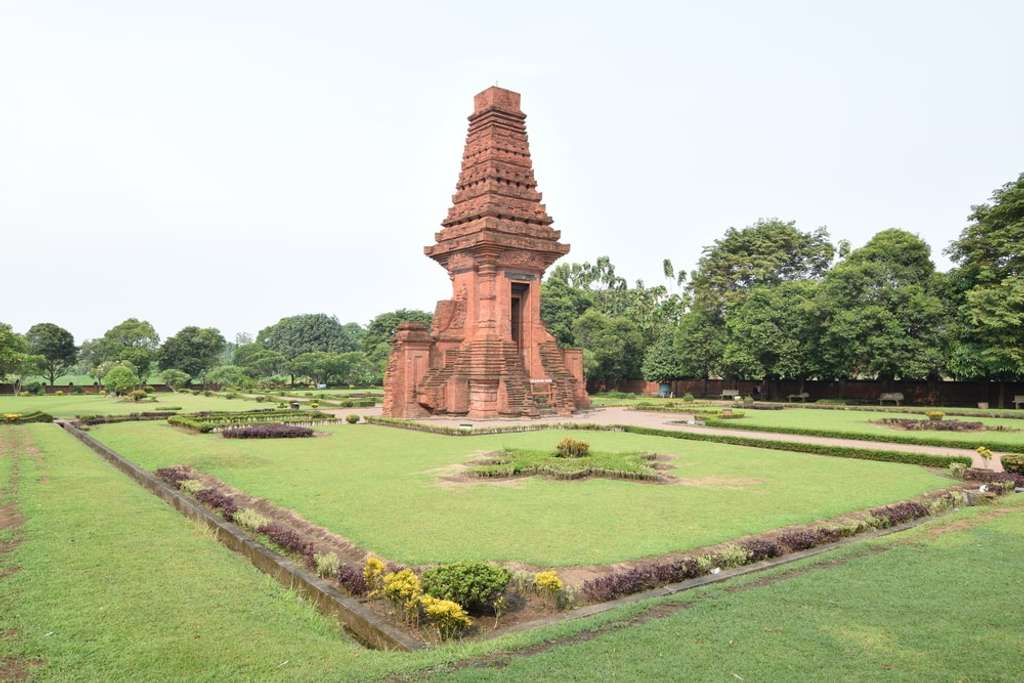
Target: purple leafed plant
[761,548]
[899,513]
[351,577]
[172,475]
[803,539]
[988,476]
[218,501]
[288,539]
[267,431]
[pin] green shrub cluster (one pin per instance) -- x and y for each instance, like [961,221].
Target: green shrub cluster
[572,448]
[25,418]
[474,585]
[1013,463]
[209,421]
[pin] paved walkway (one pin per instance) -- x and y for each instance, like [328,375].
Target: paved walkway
[671,421]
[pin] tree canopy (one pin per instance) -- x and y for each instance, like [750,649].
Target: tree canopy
[55,346]
[193,350]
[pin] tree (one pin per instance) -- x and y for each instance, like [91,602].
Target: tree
[56,346]
[766,253]
[259,361]
[986,286]
[120,379]
[133,340]
[14,355]
[616,344]
[772,333]
[662,361]
[228,376]
[699,343]
[377,339]
[176,379]
[880,314]
[193,350]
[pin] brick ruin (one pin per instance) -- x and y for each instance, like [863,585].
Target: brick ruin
[488,353]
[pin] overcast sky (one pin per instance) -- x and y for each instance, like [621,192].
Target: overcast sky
[230,163]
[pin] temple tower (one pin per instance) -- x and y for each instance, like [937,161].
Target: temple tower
[488,353]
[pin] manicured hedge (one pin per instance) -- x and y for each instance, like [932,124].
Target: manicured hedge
[210,421]
[273,430]
[816,449]
[130,417]
[25,418]
[883,438]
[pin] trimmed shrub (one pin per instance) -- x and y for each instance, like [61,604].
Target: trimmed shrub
[1013,464]
[474,585]
[403,589]
[267,431]
[802,539]
[688,397]
[935,415]
[990,477]
[373,573]
[25,418]
[353,580]
[957,469]
[572,448]
[352,419]
[172,475]
[446,616]
[191,486]
[250,519]
[326,564]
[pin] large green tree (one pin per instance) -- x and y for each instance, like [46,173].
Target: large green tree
[881,315]
[376,341]
[193,350]
[615,344]
[766,253]
[987,288]
[14,356]
[55,345]
[133,340]
[772,333]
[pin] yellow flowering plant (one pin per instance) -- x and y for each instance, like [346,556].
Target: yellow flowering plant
[447,616]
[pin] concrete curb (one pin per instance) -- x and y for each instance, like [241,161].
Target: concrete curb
[361,622]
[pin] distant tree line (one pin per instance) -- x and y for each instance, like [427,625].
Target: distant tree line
[766,302]
[772,302]
[312,348]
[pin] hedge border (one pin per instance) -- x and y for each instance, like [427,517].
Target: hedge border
[903,457]
[879,438]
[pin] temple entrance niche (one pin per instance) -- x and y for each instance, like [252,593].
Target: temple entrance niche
[489,352]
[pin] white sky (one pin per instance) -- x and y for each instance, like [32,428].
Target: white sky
[229,163]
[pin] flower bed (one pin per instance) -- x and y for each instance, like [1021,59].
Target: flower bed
[274,430]
[523,463]
[25,418]
[214,421]
[939,425]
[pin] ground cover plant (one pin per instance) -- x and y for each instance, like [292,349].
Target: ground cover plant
[862,424]
[880,611]
[516,462]
[267,431]
[83,404]
[204,422]
[723,491]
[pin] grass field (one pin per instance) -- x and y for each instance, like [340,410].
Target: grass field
[860,424]
[381,488]
[115,585]
[70,406]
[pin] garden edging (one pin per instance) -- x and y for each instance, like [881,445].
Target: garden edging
[366,626]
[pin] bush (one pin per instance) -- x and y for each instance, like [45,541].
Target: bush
[58,393]
[956,470]
[688,397]
[373,573]
[447,617]
[172,475]
[898,513]
[191,486]
[572,448]
[802,539]
[26,418]
[474,585]
[352,579]
[403,589]
[352,419]
[935,415]
[327,564]
[267,431]
[250,519]
[137,395]
[1013,463]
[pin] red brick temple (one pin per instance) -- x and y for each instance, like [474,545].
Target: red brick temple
[488,353]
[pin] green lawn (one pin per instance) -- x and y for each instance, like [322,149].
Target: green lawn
[72,405]
[116,585]
[381,488]
[859,424]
